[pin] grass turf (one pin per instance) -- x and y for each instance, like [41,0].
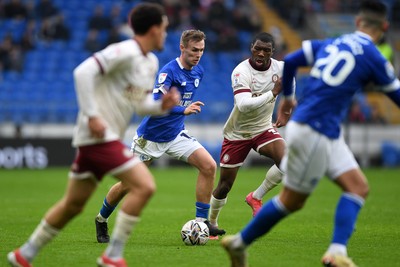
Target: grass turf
[299,240]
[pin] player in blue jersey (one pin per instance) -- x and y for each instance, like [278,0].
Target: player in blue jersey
[158,135]
[316,147]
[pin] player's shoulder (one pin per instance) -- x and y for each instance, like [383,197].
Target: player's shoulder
[277,63]
[131,48]
[243,66]
[171,66]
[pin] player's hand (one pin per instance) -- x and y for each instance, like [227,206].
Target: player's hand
[193,108]
[277,87]
[284,111]
[97,127]
[170,99]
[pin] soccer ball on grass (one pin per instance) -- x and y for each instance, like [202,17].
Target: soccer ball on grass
[195,233]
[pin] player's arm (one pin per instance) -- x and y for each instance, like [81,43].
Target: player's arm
[245,101]
[164,84]
[84,76]
[151,106]
[385,79]
[288,102]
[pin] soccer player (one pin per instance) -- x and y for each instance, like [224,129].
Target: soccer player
[111,85]
[256,84]
[158,135]
[340,67]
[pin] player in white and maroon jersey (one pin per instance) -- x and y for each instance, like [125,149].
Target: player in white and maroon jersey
[256,84]
[111,85]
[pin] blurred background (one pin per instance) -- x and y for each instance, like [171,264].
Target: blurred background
[42,41]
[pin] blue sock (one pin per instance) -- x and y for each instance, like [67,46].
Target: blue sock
[106,209]
[347,211]
[202,210]
[269,215]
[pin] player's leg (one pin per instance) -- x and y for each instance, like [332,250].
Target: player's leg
[116,193]
[110,202]
[219,197]
[186,148]
[354,184]
[272,147]
[232,156]
[141,186]
[302,174]
[206,165]
[76,195]
[268,216]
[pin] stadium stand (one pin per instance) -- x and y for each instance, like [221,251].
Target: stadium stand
[42,91]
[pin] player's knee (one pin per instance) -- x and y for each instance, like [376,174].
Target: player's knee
[363,191]
[73,208]
[209,169]
[148,189]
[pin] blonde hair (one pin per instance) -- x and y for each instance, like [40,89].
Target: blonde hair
[192,35]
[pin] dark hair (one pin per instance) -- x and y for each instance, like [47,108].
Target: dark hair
[373,6]
[145,15]
[373,12]
[189,35]
[264,37]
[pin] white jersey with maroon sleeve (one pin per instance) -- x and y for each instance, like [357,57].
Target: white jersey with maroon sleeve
[112,84]
[254,102]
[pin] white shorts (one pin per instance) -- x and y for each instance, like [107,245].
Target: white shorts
[311,155]
[180,148]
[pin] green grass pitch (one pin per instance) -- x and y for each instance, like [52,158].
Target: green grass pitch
[299,240]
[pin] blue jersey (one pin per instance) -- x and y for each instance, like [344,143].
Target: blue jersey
[166,128]
[340,67]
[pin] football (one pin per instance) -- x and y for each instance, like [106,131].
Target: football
[195,233]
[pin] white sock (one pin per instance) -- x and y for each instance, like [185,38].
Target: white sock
[123,227]
[272,179]
[215,208]
[100,218]
[238,241]
[336,249]
[42,235]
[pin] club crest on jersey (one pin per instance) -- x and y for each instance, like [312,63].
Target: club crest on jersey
[196,82]
[275,78]
[225,158]
[162,77]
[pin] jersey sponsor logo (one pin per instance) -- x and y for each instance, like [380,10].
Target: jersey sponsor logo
[162,77]
[275,78]
[196,82]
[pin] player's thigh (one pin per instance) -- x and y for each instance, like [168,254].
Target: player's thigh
[138,177]
[274,150]
[345,171]
[306,158]
[184,146]
[203,161]
[341,160]
[79,191]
